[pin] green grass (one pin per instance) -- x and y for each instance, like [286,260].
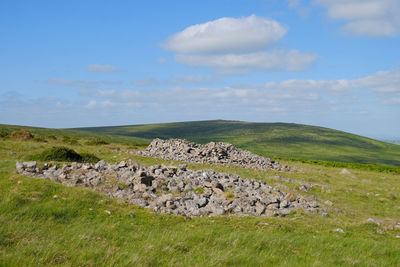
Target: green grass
[47,224]
[282,140]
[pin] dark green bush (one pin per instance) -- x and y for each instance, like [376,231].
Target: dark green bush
[96,142]
[3,133]
[60,154]
[65,154]
[89,158]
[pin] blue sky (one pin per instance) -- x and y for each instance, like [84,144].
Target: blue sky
[332,63]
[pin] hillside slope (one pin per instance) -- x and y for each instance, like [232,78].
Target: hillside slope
[49,224]
[284,140]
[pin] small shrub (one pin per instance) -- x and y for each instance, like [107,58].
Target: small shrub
[3,133]
[89,158]
[70,141]
[51,137]
[40,139]
[60,154]
[96,142]
[21,134]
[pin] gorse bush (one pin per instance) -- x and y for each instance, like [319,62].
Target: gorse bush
[21,134]
[89,158]
[65,154]
[3,133]
[96,142]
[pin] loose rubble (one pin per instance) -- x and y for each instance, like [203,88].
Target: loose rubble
[211,153]
[175,189]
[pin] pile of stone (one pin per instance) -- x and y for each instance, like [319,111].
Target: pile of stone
[211,153]
[175,189]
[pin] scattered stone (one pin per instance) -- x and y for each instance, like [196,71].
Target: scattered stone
[108,212]
[372,220]
[211,153]
[305,188]
[290,197]
[339,230]
[175,189]
[328,203]
[345,172]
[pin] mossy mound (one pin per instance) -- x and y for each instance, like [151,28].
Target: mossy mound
[65,154]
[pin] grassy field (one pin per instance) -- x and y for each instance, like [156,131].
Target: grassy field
[48,224]
[282,140]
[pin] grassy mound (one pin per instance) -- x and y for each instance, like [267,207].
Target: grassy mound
[65,154]
[21,134]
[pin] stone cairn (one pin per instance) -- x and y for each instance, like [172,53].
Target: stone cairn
[211,153]
[175,189]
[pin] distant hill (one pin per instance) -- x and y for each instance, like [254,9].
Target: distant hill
[285,140]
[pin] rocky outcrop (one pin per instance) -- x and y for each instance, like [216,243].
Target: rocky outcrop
[211,153]
[175,189]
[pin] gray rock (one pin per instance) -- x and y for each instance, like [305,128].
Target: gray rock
[19,166]
[29,165]
[176,190]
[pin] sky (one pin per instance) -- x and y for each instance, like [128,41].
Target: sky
[331,63]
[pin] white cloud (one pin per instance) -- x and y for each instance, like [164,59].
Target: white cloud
[274,60]
[236,45]
[384,82]
[375,18]
[223,35]
[75,83]
[101,68]
[287,94]
[175,80]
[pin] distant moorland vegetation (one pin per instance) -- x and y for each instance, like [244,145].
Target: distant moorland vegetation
[283,140]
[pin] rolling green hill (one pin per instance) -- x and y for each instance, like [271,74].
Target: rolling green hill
[50,224]
[282,140]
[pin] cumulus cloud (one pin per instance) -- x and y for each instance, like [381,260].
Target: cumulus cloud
[227,35]
[101,68]
[375,18]
[236,45]
[384,82]
[74,83]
